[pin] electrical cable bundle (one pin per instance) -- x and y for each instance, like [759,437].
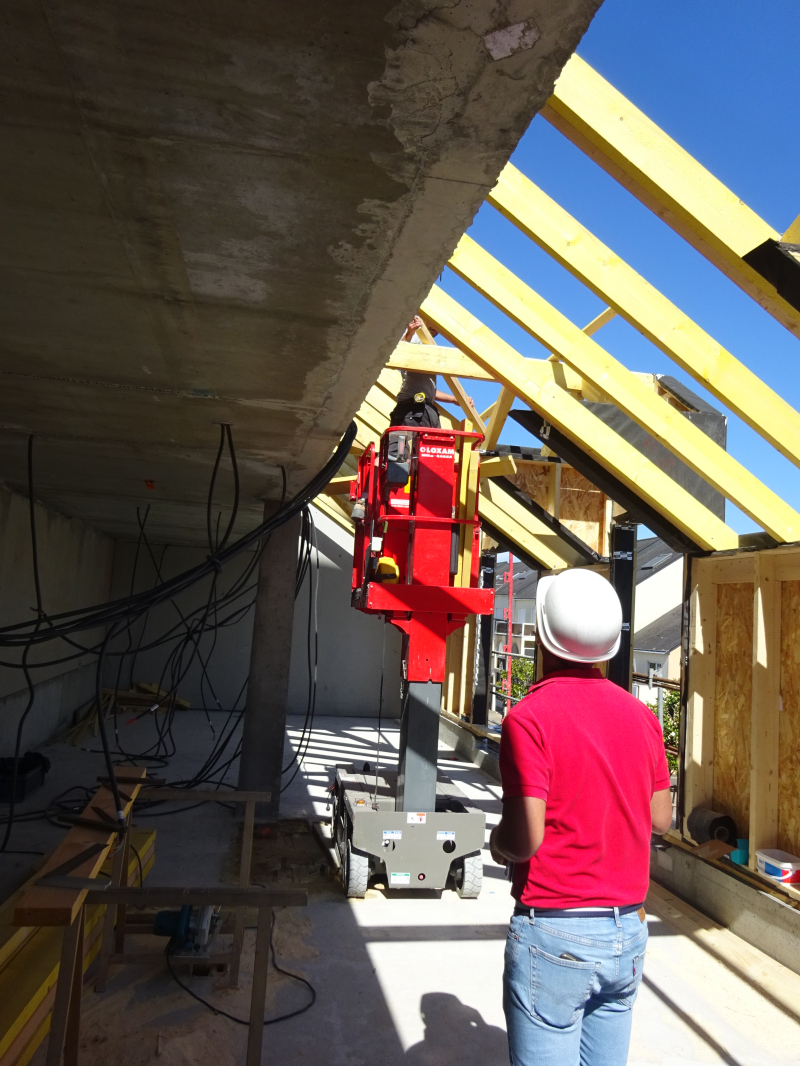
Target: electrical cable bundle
[119,616]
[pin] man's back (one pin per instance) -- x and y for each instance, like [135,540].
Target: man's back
[595,755]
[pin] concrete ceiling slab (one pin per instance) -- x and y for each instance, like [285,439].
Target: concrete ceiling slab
[228,213]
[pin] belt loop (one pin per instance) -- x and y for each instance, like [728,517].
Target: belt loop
[616,917]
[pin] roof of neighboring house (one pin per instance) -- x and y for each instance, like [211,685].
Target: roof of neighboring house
[652,555]
[525,580]
[662,635]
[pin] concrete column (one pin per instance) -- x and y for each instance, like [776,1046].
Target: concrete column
[270,656]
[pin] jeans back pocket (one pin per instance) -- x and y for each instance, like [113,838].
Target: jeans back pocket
[559,987]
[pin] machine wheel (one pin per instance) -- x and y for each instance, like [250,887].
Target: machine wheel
[356,872]
[469,876]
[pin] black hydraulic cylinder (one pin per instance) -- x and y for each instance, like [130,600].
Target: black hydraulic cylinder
[623,578]
[419,747]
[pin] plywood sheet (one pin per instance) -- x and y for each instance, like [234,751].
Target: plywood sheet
[789,759]
[532,479]
[583,508]
[734,695]
[582,504]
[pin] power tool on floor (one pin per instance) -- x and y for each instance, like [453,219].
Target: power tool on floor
[416,562]
[192,930]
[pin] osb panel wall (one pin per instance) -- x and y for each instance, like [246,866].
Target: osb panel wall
[582,507]
[532,479]
[733,698]
[789,760]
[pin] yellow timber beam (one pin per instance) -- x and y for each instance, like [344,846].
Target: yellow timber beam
[643,306]
[339,486]
[536,382]
[502,466]
[626,390]
[520,526]
[336,510]
[435,359]
[600,121]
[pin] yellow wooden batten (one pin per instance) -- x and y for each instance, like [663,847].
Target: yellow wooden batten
[605,125]
[644,307]
[436,359]
[536,382]
[625,389]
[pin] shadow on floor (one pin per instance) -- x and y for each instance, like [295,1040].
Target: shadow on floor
[456,1035]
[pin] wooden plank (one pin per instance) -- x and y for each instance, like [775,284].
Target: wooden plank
[600,121]
[699,765]
[245,862]
[58,906]
[732,568]
[632,395]
[647,310]
[766,707]
[537,383]
[501,466]
[533,536]
[789,735]
[499,416]
[438,359]
[199,795]
[733,703]
[753,966]
[463,400]
[339,486]
[258,994]
[214,895]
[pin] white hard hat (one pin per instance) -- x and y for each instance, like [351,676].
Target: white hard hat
[578,616]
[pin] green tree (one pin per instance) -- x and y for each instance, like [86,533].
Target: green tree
[523,675]
[672,725]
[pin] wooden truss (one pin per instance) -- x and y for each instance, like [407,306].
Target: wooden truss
[742,678]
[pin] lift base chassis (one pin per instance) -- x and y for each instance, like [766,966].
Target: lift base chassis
[412,849]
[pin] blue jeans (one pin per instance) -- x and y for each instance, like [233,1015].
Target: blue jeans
[572,1011]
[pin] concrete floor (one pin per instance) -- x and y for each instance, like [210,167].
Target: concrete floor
[409,978]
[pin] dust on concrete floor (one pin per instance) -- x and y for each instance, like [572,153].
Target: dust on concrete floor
[412,978]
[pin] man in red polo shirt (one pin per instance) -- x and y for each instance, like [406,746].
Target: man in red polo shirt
[585,782]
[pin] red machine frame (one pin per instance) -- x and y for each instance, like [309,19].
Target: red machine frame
[409,543]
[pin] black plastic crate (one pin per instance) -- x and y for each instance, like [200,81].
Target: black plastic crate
[31,772]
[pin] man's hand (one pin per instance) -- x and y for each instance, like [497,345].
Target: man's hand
[415,324]
[497,856]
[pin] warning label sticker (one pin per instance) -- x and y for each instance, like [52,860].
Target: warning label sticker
[445,834]
[393,834]
[416,818]
[399,879]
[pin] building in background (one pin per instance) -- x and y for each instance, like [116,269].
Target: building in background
[657,614]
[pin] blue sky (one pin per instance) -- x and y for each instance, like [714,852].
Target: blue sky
[720,78]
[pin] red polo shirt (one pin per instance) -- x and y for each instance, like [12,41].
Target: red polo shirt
[595,754]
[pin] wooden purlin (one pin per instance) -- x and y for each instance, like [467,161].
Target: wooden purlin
[630,394]
[647,310]
[537,384]
[608,128]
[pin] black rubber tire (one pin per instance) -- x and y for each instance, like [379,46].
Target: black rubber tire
[356,872]
[468,876]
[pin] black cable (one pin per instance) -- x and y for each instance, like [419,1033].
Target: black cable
[25,653]
[246,1021]
[129,608]
[138,863]
[209,502]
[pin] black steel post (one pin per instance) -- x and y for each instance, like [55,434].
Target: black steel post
[480,697]
[623,578]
